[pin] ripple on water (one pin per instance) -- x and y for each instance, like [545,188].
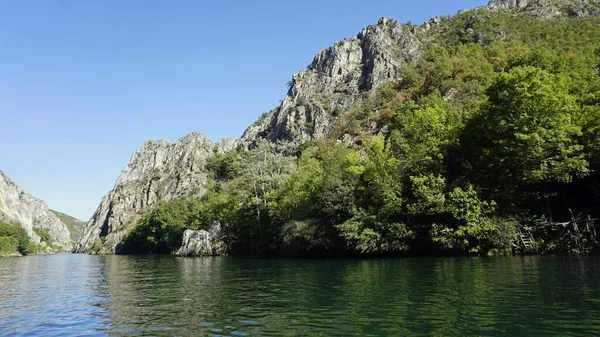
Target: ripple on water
[162,296]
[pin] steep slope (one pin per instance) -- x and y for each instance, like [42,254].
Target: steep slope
[19,207]
[346,73]
[74,225]
[159,170]
[336,80]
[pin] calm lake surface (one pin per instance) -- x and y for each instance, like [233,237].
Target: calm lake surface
[81,295]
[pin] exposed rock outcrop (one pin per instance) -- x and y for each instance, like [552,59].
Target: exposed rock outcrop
[548,8]
[19,207]
[336,80]
[159,170]
[226,144]
[202,243]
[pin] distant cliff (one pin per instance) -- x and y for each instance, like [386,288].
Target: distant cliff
[19,207]
[74,225]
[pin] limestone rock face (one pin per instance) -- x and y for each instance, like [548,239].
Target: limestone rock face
[159,170]
[336,80]
[548,8]
[226,144]
[507,4]
[202,243]
[19,207]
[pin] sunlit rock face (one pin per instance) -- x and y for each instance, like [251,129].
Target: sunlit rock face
[19,207]
[548,8]
[337,79]
[159,170]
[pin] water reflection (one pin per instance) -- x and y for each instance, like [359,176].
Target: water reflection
[80,295]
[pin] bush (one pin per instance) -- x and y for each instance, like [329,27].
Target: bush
[160,230]
[13,238]
[44,235]
[7,244]
[96,247]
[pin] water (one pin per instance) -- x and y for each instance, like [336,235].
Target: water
[81,295]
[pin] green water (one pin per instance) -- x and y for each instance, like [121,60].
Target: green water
[80,295]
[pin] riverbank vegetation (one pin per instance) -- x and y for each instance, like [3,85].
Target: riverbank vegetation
[489,134]
[14,239]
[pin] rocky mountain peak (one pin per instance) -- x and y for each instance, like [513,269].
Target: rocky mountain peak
[335,80]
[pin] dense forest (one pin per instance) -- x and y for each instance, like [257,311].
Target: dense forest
[491,133]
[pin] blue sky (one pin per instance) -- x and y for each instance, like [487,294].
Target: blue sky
[84,83]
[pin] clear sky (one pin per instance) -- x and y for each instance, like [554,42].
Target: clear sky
[84,83]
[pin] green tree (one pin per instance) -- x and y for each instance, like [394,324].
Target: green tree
[421,135]
[160,230]
[525,137]
[314,198]
[376,225]
[13,238]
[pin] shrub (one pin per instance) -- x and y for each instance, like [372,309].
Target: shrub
[13,238]
[44,235]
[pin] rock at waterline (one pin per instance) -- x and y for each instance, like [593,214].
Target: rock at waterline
[202,243]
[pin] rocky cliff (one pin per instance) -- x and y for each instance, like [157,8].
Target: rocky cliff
[19,207]
[548,8]
[337,79]
[345,73]
[159,170]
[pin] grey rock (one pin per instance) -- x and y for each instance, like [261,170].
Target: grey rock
[226,145]
[202,243]
[507,4]
[548,8]
[19,207]
[338,78]
[160,170]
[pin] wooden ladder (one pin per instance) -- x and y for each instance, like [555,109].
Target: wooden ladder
[527,242]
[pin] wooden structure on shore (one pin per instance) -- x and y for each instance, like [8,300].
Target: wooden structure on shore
[527,242]
[579,234]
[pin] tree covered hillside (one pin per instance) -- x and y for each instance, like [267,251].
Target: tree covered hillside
[492,131]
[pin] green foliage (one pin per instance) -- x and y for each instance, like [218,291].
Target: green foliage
[494,124]
[366,233]
[160,230]
[421,135]
[14,238]
[96,247]
[526,135]
[315,197]
[44,235]
[75,226]
[225,166]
